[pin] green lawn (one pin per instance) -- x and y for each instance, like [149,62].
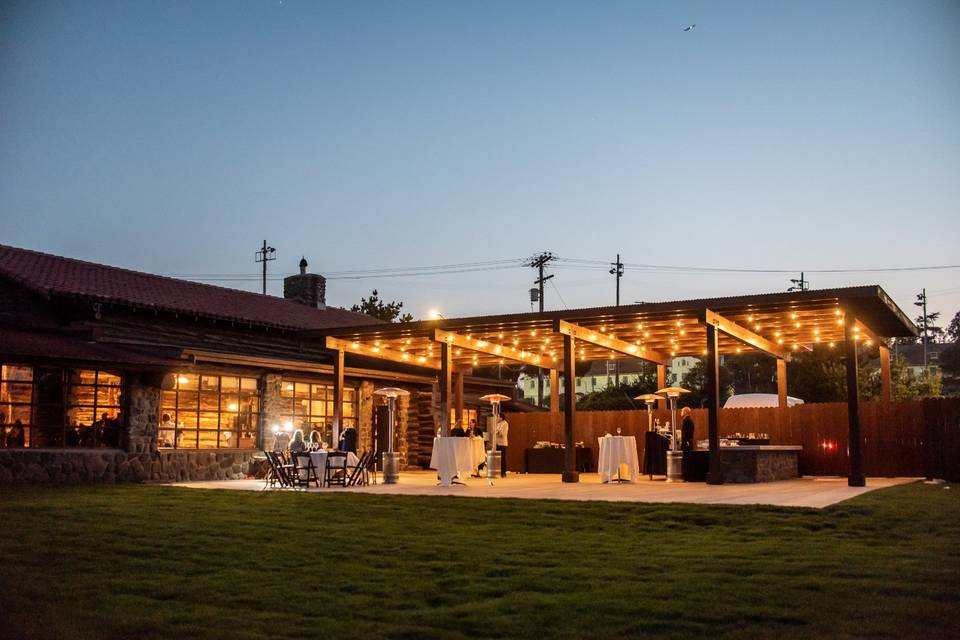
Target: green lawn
[162,562]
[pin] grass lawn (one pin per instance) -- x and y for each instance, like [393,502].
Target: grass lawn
[163,562]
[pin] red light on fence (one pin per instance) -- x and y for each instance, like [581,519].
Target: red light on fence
[828,445]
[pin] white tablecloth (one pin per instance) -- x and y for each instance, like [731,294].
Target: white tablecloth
[451,456]
[617,450]
[320,461]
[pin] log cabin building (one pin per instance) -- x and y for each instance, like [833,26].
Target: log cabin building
[108,374]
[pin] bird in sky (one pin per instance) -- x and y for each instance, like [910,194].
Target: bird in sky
[689,27]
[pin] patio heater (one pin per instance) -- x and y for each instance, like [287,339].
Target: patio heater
[674,456]
[391,459]
[493,456]
[650,399]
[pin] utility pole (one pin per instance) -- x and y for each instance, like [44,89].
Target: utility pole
[616,270]
[265,254]
[922,302]
[539,262]
[799,285]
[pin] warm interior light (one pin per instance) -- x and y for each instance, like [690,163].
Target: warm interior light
[185,380]
[232,407]
[421,359]
[405,356]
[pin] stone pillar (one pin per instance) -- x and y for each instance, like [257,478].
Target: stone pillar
[143,410]
[365,417]
[271,407]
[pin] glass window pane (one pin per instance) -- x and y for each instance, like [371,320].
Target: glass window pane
[209,401]
[229,403]
[188,401]
[209,419]
[188,382]
[187,420]
[165,437]
[248,384]
[286,389]
[16,412]
[168,400]
[80,416]
[229,383]
[16,373]
[16,392]
[187,440]
[228,439]
[301,390]
[209,383]
[208,440]
[108,396]
[347,409]
[83,376]
[109,379]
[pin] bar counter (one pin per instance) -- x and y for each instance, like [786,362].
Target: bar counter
[749,463]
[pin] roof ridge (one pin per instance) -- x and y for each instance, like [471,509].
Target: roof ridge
[42,288]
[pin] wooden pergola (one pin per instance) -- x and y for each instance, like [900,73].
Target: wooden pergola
[778,324]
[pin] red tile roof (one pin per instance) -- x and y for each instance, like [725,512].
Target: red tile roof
[51,275]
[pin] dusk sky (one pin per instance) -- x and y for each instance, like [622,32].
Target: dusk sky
[173,137]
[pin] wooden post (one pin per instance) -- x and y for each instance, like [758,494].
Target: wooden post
[886,392]
[458,396]
[446,382]
[661,383]
[714,474]
[855,479]
[570,473]
[781,383]
[554,391]
[337,395]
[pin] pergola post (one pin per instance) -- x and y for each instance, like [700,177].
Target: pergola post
[714,474]
[661,383]
[855,479]
[886,392]
[554,391]
[337,395]
[446,382]
[781,383]
[458,395]
[570,473]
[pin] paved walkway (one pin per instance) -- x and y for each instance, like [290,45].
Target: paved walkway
[802,492]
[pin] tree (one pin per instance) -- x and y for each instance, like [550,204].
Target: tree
[618,397]
[386,311]
[695,380]
[950,360]
[752,373]
[953,329]
[819,375]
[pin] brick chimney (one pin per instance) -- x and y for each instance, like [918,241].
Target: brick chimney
[306,288]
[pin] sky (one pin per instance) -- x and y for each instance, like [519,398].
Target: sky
[174,137]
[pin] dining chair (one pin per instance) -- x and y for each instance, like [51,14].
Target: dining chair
[336,469]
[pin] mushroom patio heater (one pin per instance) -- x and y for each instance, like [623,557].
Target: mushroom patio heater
[650,399]
[493,456]
[674,456]
[391,459]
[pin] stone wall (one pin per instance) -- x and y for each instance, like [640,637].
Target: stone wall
[271,405]
[143,408]
[108,466]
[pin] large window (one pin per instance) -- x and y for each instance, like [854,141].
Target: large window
[309,407]
[16,405]
[210,412]
[93,409]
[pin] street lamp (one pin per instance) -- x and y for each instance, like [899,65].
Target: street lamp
[391,460]
[674,456]
[493,456]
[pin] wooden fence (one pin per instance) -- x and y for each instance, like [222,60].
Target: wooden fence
[914,438]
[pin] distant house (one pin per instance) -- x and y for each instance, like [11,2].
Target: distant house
[603,374]
[913,354]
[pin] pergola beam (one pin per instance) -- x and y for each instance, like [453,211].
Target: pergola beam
[741,333]
[590,336]
[381,353]
[490,348]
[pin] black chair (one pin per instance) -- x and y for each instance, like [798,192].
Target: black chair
[277,473]
[359,474]
[336,470]
[304,471]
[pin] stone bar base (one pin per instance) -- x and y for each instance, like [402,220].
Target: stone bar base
[746,464]
[108,466]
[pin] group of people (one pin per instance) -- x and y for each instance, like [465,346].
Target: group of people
[313,442]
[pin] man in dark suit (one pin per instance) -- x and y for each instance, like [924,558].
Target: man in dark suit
[458,432]
[686,430]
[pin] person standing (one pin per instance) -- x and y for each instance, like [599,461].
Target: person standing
[686,430]
[500,433]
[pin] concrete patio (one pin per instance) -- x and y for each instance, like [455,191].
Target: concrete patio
[816,492]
